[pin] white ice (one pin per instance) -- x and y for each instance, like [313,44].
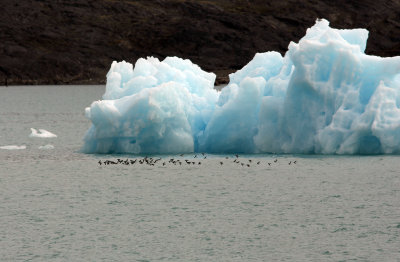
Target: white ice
[46,147]
[325,96]
[13,147]
[41,133]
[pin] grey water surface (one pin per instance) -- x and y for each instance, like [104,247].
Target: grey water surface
[61,205]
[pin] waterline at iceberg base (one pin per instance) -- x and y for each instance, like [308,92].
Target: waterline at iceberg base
[325,96]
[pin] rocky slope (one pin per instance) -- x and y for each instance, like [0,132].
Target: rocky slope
[75,41]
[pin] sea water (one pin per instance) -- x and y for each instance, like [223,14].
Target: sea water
[57,204]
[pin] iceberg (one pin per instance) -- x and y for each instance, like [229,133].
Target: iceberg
[324,96]
[41,133]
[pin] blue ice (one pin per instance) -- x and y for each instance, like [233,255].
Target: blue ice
[325,96]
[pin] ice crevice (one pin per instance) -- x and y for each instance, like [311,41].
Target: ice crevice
[324,96]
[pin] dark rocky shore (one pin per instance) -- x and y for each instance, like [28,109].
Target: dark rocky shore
[75,41]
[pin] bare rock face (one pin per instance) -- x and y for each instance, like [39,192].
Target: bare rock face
[74,42]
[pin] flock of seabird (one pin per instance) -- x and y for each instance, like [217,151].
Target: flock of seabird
[244,162]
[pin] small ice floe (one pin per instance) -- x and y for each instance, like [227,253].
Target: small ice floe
[46,147]
[13,147]
[41,133]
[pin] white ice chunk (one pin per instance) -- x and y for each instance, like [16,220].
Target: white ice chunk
[46,147]
[41,133]
[13,147]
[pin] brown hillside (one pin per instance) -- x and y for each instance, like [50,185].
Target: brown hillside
[75,41]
